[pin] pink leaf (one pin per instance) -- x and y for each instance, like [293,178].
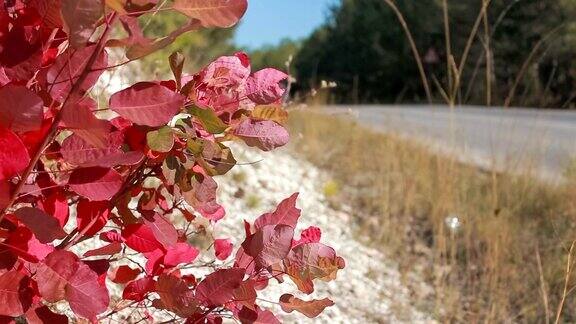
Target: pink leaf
[264,134]
[163,230]
[53,275]
[223,248]
[15,297]
[140,237]
[218,287]
[77,151]
[96,184]
[202,197]
[147,103]
[269,245]
[258,316]
[180,253]
[264,88]
[86,296]
[45,227]
[13,156]
[77,116]
[24,244]
[213,13]
[286,213]
[310,235]
[21,109]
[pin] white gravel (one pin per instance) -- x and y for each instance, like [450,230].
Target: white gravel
[368,290]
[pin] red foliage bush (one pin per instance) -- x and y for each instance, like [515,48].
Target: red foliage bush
[59,160]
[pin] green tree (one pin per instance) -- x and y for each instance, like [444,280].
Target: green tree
[363,48]
[199,47]
[274,56]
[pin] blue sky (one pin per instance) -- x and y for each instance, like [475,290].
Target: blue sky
[268,21]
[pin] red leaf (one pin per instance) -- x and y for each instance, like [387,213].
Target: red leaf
[218,287]
[137,290]
[13,156]
[86,296]
[264,134]
[15,296]
[77,151]
[24,244]
[311,309]
[140,238]
[163,230]
[246,294]
[310,235]
[286,214]
[109,249]
[269,245]
[77,116]
[147,103]
[111,237]
[45,227]
[5,193]
[263,87]
[56,205]
[53,274]
[223,248]
[21,109]
[44,315]
[68,68]
[213,13]
[175,296]
[92,213]
[80,19]
[124,274]
[180,253]
[96,184]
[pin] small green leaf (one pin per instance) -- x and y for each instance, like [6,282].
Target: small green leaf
[160,140]
[209,120]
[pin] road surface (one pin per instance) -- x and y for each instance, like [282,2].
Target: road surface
[518,140]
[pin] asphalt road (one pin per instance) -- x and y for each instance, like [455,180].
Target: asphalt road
[518,139]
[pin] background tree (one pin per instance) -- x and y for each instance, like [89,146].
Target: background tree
[363,48]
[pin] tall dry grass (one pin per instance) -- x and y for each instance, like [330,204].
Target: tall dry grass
[506,261]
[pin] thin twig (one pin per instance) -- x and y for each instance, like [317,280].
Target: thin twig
[414,48]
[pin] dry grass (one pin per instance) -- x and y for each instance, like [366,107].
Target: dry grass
[506,262]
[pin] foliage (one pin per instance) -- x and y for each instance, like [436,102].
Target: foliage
[275,56]
[135,182]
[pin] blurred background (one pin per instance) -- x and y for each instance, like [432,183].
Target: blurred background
[439,133]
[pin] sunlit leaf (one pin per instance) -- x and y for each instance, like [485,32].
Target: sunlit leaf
[213,13]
